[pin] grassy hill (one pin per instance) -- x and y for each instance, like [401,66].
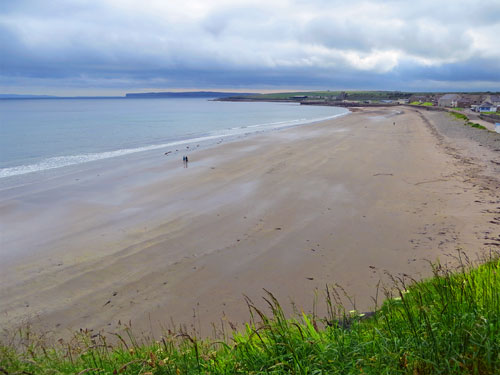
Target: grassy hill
[354,95]
[351,95]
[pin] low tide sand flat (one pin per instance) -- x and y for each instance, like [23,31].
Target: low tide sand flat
[290,211]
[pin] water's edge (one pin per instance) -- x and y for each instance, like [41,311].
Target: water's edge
[68,160]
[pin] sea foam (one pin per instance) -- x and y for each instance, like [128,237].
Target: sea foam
[68,160]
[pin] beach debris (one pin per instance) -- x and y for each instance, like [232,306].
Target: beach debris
[383,174]
[277,228]
[107,303]
[310,278]
[115,293]
[168,152]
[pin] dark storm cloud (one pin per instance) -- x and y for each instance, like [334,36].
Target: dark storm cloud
[360,44]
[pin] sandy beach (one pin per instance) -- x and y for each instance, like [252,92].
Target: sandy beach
[338,202]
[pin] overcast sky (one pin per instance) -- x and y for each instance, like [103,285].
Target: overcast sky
[82,47]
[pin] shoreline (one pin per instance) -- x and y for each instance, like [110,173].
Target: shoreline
[289,211]
[188,141]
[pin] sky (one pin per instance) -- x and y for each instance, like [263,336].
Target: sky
[110,47]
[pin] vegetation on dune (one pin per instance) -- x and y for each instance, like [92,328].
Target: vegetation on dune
[449,324]
[475,125]
[461,116]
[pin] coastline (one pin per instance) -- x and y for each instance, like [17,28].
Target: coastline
[290,211]
[222,122]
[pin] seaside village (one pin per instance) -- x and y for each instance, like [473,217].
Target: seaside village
[482,103]
[477,103]
[478,106]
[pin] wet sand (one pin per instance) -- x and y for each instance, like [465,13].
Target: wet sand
[145,240]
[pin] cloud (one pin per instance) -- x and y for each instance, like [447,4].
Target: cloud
[220,43]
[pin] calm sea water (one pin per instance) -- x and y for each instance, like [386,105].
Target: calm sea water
[43,134]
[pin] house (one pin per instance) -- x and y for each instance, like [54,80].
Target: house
[417,98]
[342,96]
[449,100]
[486,107]
[493,99]
[475,99]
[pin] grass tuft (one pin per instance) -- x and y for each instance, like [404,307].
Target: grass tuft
[459,116]
[474,125]
[448,324]
[423,104]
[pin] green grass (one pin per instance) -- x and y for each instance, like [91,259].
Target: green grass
[475,125]
[351,95]
[449,324]
[424,104]
[459,116]
[290,95]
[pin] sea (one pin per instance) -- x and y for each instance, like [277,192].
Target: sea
[42,134]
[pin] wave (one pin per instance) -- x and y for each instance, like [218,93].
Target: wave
[64,161]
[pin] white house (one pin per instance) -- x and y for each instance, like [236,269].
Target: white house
[486,107]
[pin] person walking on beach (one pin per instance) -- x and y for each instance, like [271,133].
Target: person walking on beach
[185,161]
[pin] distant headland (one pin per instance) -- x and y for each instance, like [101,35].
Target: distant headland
[186,94]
